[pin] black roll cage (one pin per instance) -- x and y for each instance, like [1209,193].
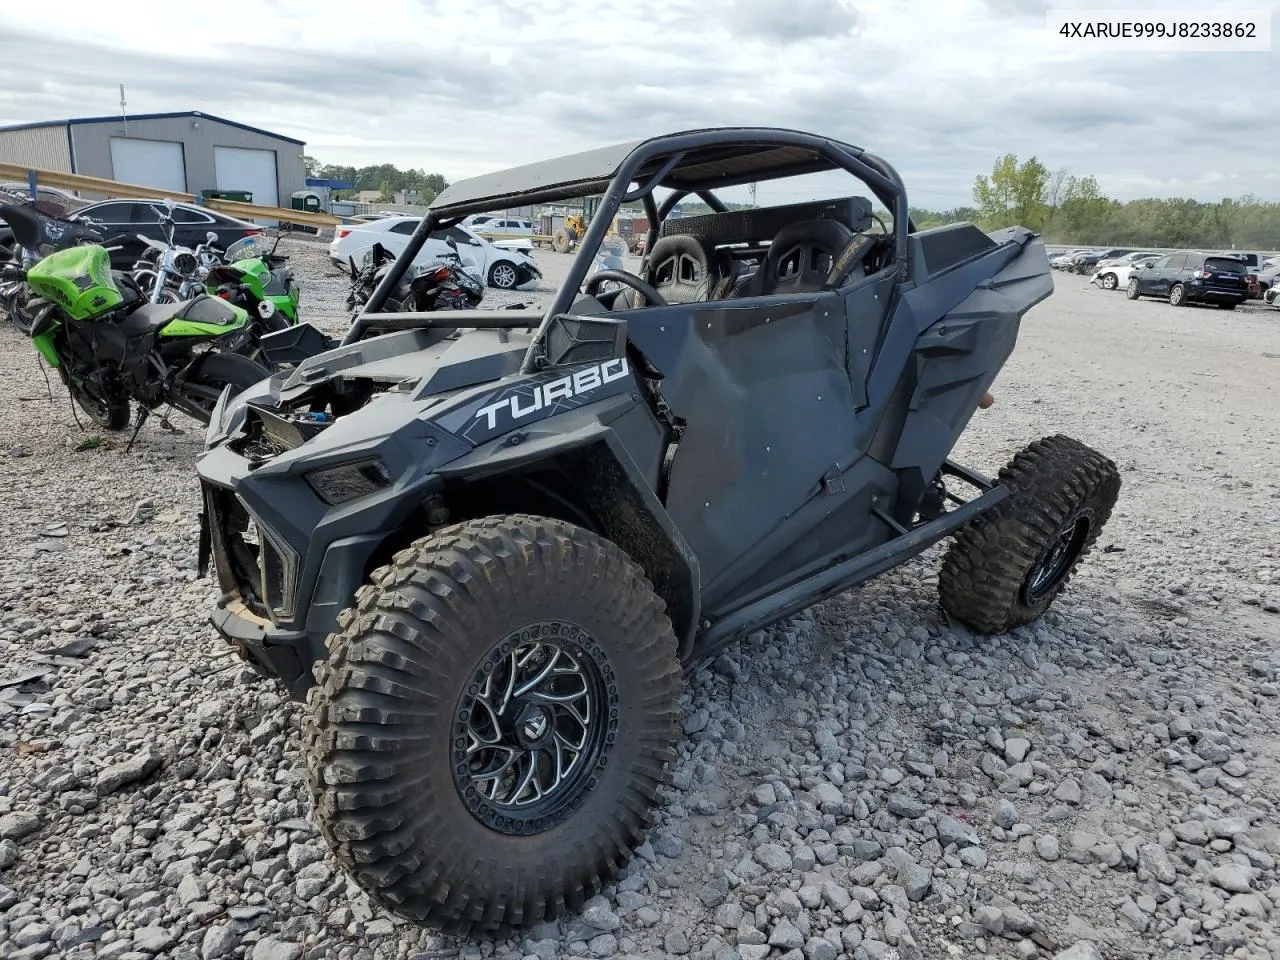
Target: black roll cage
[878,175]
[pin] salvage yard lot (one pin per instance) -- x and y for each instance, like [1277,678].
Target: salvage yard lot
[861,776]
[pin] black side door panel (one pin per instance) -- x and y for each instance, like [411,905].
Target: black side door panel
[764,390]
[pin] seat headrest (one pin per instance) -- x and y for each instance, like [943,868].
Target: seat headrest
[684,270]
[801,256]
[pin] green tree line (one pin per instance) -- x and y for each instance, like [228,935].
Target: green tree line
[1066,208]
[383,176]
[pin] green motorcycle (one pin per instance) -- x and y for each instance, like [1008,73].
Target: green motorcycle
[251,278]
[111,347]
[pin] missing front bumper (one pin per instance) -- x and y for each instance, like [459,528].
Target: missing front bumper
[282,655]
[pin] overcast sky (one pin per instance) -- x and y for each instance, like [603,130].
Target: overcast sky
[940,88]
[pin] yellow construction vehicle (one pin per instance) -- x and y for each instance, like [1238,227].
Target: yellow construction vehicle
[570,233]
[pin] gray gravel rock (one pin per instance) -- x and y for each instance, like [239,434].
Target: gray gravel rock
[218,941]
[905,805]
[273,948]
[952,831]
[785,935]
[15,826]
[1233,877]
[1016,750]
[1047,847]
[1081,950]
[1153,859]
[1004,814]
[126,772]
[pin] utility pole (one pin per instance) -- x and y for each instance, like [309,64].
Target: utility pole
[123,115]
[752,191]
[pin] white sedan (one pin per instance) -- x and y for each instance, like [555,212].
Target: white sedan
[501,268]
[1115,274]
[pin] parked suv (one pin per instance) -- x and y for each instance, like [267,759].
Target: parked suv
[1192,278]
[1085,262]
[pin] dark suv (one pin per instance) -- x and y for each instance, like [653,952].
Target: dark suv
[1085,262]
[1192,278]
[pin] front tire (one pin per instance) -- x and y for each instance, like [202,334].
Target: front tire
[1177,295]
[1110,281]
[502,275]
[17,306]
[1008,565]
[446,780]
[1131,291]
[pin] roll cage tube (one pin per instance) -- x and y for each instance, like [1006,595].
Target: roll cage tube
[878,175]
[399,266]
[885,182]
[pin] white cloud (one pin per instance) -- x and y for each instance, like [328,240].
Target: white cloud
[940,88]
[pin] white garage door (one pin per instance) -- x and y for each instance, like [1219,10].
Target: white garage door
[237,168]
[149,163]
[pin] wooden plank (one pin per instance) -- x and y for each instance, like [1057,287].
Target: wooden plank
[252,211]
[76,181]
[114,188]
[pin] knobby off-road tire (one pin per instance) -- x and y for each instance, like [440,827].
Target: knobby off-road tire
[417,675]
[1007,566]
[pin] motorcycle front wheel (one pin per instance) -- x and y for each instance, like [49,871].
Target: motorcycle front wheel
[14,306]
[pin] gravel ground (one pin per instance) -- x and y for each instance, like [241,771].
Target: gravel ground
[863,781]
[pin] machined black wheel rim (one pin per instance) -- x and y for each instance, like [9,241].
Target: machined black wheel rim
[534,727]
[1058,559]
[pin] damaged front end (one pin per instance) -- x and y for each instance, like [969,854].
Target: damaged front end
[299,494]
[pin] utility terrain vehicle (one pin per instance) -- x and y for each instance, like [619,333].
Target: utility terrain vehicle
[495,536]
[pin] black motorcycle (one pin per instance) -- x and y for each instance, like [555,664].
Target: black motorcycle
[441,284]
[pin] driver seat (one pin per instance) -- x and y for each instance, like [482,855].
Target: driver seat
[801,258]
[685,270]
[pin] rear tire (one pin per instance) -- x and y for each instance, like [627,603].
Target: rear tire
[1177,295]
[1228,306]
[1008,565]
[396,737]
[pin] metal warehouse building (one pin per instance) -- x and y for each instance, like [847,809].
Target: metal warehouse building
[184,152]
